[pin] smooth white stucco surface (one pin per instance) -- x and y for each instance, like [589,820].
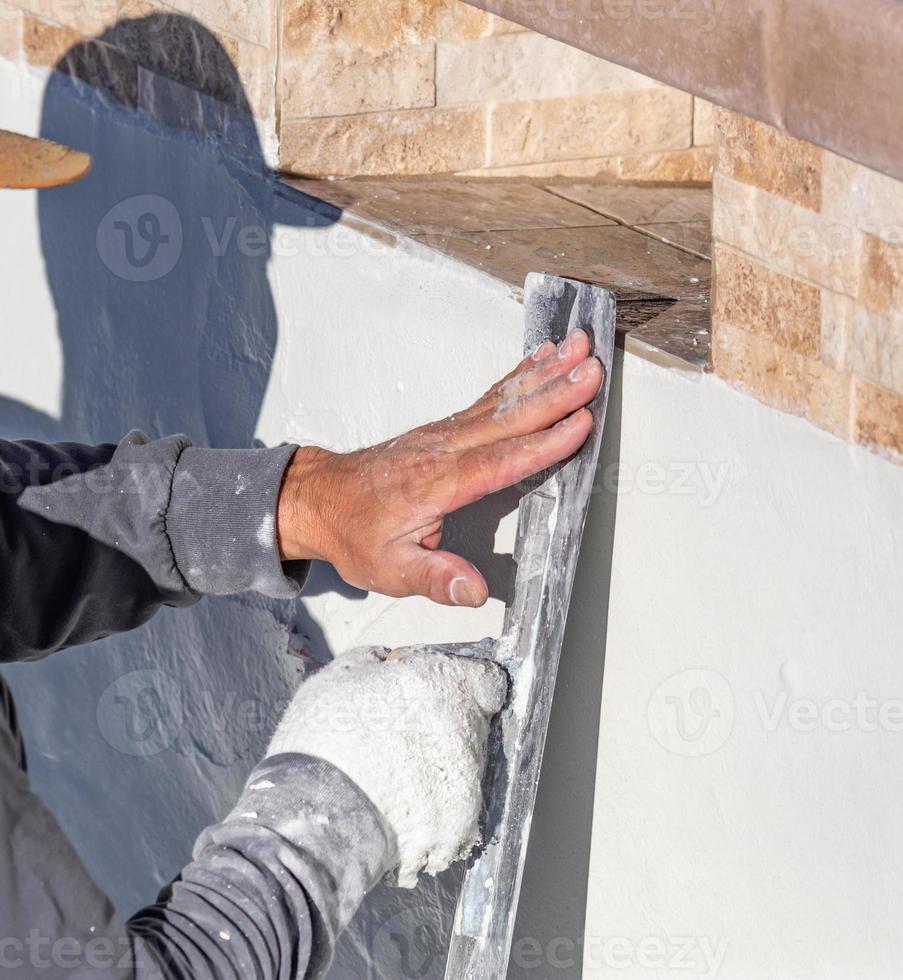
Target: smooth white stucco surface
[738,564]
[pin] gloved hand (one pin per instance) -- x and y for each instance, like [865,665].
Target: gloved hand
[410,728]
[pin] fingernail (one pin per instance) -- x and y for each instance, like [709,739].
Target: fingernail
[564,348]
[461,592]
[543,351]
[581,372]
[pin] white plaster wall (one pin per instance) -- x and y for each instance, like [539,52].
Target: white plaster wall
[748,564]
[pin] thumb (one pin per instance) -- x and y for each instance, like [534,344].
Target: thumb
[445,578]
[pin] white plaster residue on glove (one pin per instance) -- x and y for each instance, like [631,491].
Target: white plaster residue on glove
[411,729]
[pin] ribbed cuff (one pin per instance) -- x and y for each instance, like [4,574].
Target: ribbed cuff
[221,522]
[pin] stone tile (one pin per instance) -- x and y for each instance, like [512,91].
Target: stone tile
[395,143]
[256,69]
[86,17]
[105,69]
[881,289]
[252,20]
[511,67]
[624,260]
[683,165]
[10,32]
[693,235]
[789,238]
[753,153]
[791,382]
[680,337]
[862,198]
[879,419]
[843,78]
[836,318]
[607,123]
[752,297]
[637,205]
[378,25]
[691,44]
[692,165]
[337,82]
[430,207]
[175,47]
[875,346]
[45,44]
[703,123]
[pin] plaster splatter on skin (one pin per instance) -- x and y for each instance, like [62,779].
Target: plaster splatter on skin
[411,729]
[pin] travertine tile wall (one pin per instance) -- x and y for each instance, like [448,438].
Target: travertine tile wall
[408,87]
[431,86]
[175,45]
[808,303]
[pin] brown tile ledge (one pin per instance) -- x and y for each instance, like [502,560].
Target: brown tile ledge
[648,243]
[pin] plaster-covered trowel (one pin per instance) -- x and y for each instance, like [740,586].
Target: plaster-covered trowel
[549,529]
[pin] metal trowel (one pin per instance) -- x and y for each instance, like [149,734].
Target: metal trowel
[549,528]
[550,525]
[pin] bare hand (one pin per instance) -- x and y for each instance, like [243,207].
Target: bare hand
[376,514]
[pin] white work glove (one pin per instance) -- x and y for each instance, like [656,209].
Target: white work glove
[410,729]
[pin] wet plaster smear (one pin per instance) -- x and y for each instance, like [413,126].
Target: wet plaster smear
[721,793]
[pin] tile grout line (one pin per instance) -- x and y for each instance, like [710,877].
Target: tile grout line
[625,224]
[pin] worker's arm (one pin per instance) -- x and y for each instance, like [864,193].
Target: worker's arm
[94,539]
[349,792]
[324,817]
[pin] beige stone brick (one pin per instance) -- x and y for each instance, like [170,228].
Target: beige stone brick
[251,20]
[376,25]
[682,166]
[608,123]
[254,63]
[862,198]
[10,31]
[836,318]
[415,141]
[256,68]
[44,43]
[694,165]
[788,237]
[868,344]
[781,378]
[752,297]
[337,82]
[87,17]
[703,123]
[881,289]
[512,67]
[879,419]
[754,153]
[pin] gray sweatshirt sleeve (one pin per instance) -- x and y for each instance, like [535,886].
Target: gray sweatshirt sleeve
[93,540]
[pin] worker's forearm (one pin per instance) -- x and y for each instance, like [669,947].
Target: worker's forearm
[263,899]
[271,887]
[94,539]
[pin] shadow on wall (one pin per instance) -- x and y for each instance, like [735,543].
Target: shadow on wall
[157,263]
